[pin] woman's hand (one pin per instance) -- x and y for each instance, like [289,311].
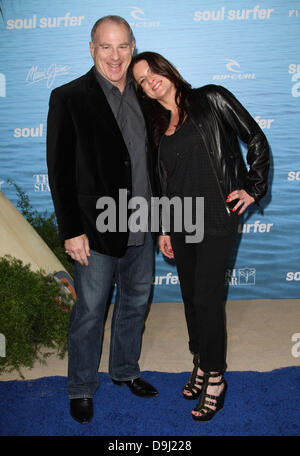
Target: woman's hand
[244,200]
[165,246]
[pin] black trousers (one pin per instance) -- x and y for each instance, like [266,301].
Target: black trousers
[201,269]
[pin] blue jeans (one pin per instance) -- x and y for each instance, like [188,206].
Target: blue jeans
[134,276]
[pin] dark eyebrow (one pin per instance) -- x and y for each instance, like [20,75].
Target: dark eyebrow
[110,44]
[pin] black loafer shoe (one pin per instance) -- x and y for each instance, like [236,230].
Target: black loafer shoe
[82,409]
[139,387]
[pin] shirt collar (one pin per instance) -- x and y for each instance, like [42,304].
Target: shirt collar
[106,85]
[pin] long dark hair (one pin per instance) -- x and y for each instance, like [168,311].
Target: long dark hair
[159,65]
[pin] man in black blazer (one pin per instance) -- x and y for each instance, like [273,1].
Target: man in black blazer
[97,147]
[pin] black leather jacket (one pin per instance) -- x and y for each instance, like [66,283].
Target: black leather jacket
[221,120]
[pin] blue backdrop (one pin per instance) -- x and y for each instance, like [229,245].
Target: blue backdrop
[250,47]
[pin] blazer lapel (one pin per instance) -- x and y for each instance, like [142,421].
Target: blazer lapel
[99,106]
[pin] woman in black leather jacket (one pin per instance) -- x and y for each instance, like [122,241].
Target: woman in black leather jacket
[196,133]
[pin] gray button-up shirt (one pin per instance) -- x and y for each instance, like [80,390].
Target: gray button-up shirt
[131,122]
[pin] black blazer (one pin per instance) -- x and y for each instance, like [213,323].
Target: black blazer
[87,158]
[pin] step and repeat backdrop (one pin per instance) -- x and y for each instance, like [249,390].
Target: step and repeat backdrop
[251,47]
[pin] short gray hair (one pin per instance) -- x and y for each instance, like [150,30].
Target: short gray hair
[117,20]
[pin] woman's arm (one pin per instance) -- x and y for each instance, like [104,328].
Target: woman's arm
[247,129]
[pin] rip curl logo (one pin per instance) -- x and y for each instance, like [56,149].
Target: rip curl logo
[140,19]
[231,64]
[235,72]
[137,13]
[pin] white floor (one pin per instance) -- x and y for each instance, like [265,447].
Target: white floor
[259,339]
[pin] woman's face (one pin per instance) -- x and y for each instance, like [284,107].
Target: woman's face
[154,85]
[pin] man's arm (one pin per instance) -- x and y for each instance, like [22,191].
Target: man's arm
[61,161]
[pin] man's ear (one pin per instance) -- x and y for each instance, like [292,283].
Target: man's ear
[91,44]
[132,46]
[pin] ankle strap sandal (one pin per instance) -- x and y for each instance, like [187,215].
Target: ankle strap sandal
[206,400]
[195,382]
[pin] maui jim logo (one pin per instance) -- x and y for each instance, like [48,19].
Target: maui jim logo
[49,75]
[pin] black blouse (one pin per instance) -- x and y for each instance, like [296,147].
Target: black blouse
[189,173]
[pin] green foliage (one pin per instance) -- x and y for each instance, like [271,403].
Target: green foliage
[45,225]
[34,308]
[34,313]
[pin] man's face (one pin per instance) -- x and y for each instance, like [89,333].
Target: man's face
[112,52]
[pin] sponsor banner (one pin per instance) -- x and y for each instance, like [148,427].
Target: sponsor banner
[138,18]
[251,48]
[35,21]
[241,14]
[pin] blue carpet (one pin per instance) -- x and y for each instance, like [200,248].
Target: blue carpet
[257,404]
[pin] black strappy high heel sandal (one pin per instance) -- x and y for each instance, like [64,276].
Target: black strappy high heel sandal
[195,383]
[207,413]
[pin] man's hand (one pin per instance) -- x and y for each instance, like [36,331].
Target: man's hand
[165,246]
[244,200]
[78,248]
